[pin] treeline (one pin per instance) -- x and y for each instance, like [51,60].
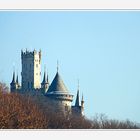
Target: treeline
[19,111]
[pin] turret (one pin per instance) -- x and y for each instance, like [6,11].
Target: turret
[13,84]
[78,109]
[45,83]
[77,102]
[17,83]
[59,95]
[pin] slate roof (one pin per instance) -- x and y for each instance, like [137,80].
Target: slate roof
[57,85]
[13,80]
[77,103]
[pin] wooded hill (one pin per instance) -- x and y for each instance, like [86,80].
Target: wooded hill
[19,111]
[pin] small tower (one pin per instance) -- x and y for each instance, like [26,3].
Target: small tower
[59,95]
[78,109]
[45,83]
[17,83]
[31,70]
[14,85]
[77,102]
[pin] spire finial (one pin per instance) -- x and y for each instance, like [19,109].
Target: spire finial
[77,103]
[57,65]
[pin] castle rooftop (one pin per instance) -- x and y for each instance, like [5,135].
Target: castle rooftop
[57,86]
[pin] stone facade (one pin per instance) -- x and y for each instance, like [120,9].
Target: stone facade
[56,92]
[31,70]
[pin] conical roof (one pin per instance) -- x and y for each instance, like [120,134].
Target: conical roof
[44,79]
[17,80]
[13,80]
[57,85]
[77,103]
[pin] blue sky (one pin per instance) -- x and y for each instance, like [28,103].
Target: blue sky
[100,48]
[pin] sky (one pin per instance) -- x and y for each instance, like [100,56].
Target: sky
[100,48]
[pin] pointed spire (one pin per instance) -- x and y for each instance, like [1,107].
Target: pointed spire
[47,77]
[44,79]
[77,103]
[13,80]
[17,80]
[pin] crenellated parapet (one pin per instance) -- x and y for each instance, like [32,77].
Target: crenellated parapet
[28,54]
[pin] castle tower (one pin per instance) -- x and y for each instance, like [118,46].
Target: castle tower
[31,70]
[59,95]
[78,109]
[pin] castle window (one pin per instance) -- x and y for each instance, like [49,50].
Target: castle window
[37,65]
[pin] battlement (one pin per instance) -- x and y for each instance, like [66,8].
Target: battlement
[28,54]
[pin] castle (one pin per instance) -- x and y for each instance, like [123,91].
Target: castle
[56,92]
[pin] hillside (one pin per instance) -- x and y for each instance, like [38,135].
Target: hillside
[31,112]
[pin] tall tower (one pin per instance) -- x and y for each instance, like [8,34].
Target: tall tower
[31,70]
[59,95]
